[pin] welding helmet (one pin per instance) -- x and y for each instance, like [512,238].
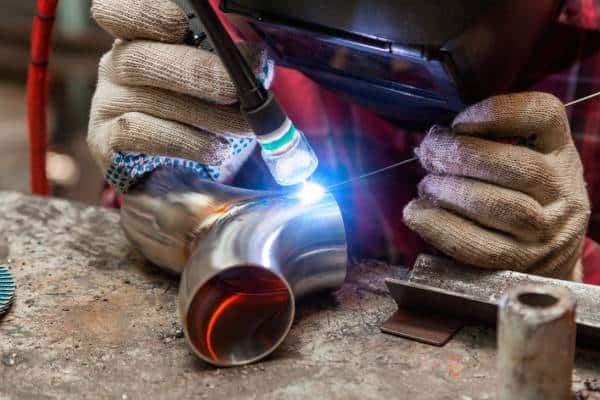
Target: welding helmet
[413,60]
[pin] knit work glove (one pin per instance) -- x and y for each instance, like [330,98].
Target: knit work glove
[503,206]
[160,103]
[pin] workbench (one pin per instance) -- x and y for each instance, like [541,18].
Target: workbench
[93,319]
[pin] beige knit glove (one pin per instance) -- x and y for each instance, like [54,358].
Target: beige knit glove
[504,206]
[160,103]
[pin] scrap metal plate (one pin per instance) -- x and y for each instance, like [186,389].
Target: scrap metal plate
[442,289]
[431,329]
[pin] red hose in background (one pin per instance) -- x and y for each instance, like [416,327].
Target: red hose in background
[37,94]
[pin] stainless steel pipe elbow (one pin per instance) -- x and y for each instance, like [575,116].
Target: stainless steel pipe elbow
[245,257]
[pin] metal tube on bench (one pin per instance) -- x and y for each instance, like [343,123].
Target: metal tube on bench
[245,257]
[536,343]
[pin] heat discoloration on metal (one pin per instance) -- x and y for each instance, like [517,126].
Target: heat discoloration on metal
[93,320]
[536,343]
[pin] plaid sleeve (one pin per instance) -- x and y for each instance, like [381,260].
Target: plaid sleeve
[581,13]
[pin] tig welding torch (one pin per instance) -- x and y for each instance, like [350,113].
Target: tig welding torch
[284,147]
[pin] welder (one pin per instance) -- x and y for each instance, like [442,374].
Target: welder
[502,178]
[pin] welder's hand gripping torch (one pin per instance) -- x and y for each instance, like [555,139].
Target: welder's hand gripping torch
[285,149]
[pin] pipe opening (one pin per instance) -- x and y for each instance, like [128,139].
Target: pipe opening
[538,300]
[240,315]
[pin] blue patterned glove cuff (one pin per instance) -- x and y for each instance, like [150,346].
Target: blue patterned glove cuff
[127,168]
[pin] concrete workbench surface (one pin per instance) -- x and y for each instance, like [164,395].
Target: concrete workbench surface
[92,319]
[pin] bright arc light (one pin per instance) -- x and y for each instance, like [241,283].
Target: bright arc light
[311,192]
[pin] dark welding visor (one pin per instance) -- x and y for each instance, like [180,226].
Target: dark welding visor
[411,60]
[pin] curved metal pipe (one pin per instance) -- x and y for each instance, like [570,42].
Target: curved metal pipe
[245,257]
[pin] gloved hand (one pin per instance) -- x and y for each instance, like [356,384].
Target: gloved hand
[160,103]
[498,205]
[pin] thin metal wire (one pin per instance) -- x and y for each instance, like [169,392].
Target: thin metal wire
[591,96]
[398,164]
[408,161]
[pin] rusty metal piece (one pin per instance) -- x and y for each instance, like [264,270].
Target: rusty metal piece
[442,286]
[536,343]
[423,302]
[434,329]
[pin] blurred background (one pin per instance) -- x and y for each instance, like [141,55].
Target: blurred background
[77,46]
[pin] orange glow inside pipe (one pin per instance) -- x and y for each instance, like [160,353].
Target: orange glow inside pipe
[213,320]
[275,297]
